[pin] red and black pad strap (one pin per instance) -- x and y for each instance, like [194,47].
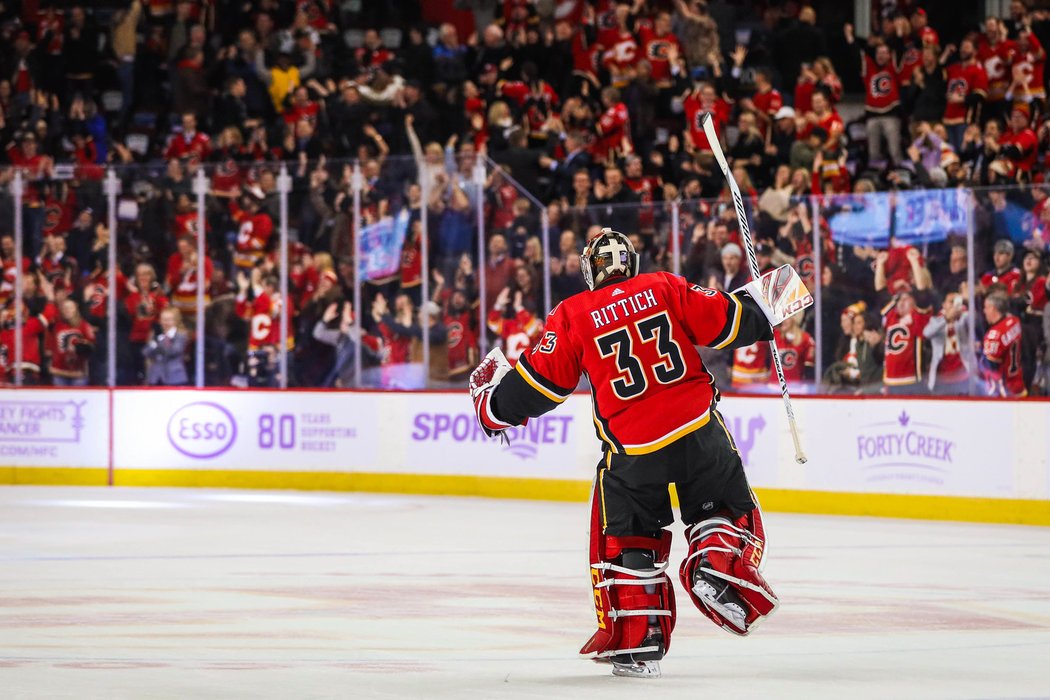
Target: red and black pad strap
[622,603]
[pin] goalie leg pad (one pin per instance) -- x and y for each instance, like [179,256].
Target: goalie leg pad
[722,571]
[633,596]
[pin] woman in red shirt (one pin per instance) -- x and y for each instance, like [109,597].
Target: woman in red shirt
[144,303]
[70,343]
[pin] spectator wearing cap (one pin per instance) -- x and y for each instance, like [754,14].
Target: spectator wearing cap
[1004,272]
[733,275]
[782,135]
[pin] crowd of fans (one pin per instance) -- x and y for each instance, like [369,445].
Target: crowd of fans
[585,113]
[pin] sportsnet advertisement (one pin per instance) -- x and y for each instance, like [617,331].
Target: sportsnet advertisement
[443,437]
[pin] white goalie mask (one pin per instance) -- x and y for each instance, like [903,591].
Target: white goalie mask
[609,253]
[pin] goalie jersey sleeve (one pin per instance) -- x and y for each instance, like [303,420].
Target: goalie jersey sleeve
[635,341]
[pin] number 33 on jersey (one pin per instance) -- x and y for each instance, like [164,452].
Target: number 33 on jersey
[634,338]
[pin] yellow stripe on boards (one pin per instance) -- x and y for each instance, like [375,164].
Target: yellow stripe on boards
[53,476]
[985,510]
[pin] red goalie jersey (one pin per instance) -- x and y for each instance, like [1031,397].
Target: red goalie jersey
[634,338]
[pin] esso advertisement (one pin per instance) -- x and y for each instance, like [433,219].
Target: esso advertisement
[202,429]
[287,431]
[442,435]
[54,429]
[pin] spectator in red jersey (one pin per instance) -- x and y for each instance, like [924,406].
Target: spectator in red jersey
[256,227]
[397,331]
[820,75]
[34,328]
[967,92]
[881,99]
[1004,272]
[190,143]
[182,278]
[1019,144]
[996,53]
[764,103]
[904,318]
[825,117]
[517,328]
[661,48]
[704,99]
[1001,361]
[798,351]
[750,370]
[59,269]
[71,342]
[165,352]
[613,129]
[904,322]
[144,303]
[950,373]
[461,327]
[1027,72]
[621,48]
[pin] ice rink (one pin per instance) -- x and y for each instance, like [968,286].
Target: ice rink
[156,593]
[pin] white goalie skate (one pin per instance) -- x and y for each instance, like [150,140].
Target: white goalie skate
[721,601]
[636,669]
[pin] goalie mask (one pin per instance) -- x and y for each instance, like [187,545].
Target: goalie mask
[610,253]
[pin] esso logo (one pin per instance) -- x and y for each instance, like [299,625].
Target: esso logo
[202,429]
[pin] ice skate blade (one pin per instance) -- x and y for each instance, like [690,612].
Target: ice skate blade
[638,669]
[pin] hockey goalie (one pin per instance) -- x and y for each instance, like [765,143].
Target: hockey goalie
[654,403]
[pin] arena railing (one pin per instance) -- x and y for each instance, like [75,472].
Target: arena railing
[350,233]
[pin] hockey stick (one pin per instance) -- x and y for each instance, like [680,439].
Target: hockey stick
[752,261]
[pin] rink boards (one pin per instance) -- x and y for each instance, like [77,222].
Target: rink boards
[961,460]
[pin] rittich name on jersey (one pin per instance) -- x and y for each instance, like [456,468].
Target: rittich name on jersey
[623,308]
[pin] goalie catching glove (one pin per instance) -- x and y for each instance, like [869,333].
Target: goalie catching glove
[483,382]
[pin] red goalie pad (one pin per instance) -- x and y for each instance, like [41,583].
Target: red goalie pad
[727,554]
[624,598]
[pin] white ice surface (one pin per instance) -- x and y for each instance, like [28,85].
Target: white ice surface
[157,593]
